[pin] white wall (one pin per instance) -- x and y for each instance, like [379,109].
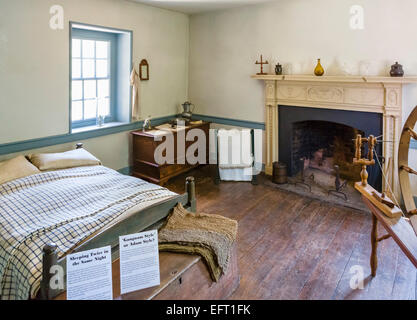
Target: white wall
[225,44]
[113,150]
[222,45]
[34,65]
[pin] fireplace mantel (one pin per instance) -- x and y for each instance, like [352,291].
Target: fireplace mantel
[354,93]
[342,79]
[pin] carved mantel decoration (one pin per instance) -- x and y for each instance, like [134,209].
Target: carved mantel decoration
[354,93]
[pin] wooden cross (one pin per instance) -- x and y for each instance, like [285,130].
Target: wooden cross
[262,65]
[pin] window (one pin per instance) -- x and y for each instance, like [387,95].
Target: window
[95,80]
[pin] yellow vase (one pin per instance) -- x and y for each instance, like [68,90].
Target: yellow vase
[318,71]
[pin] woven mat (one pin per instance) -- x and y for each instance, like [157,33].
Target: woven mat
[209,235]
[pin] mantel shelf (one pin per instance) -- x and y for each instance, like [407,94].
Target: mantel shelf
[339,79]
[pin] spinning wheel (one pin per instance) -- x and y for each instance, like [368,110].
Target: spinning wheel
[404,170]
[384,209]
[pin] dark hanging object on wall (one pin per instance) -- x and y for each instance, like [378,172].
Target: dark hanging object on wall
[279,172]
[396,70]
[278,69]
[144,70]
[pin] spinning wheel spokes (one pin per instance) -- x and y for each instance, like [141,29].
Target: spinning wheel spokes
[404,170]
[408,169]
[412,133]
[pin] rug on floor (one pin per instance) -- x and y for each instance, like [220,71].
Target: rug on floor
[209,235]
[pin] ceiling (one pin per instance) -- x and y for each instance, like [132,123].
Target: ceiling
[199,6]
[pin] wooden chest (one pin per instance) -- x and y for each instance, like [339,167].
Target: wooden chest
[183,277]
[144,145]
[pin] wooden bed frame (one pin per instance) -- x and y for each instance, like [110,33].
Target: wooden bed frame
[151,217]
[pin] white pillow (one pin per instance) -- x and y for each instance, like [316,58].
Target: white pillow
[70,159]
[16,168]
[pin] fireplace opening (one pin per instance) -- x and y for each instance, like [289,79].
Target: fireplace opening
[323,138]
[322,145]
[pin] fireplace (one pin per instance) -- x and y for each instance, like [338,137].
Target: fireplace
[322,138]
[374,97]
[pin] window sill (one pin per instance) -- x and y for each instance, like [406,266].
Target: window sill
[95,127]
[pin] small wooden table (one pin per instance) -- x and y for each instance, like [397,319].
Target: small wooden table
[399,229]
[144,145]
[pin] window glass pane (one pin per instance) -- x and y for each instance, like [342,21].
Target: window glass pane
[103,88]
[89,89]
[90,109]
[91,75]
[76,48]
[102,48]
[77,110]
[77,90]
[101,68]
[88,48]
[76,68]
[104,107]
[88,68]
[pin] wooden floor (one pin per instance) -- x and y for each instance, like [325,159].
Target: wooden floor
[292,247]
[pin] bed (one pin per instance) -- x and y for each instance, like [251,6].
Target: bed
[45,216]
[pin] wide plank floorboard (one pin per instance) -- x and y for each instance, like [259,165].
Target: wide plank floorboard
[293,247]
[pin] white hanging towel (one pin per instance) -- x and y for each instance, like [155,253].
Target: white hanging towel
[134,82]
[235,162]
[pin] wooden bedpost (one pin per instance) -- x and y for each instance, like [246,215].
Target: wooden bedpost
[49,259]
[190,188]
[79,145]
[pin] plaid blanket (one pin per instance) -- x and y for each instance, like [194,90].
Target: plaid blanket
[64,207]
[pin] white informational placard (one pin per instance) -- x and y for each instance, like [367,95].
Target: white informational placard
[89,275]
[139,261]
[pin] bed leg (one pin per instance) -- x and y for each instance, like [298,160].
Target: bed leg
[49,259]
[374,244]
[190,188]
